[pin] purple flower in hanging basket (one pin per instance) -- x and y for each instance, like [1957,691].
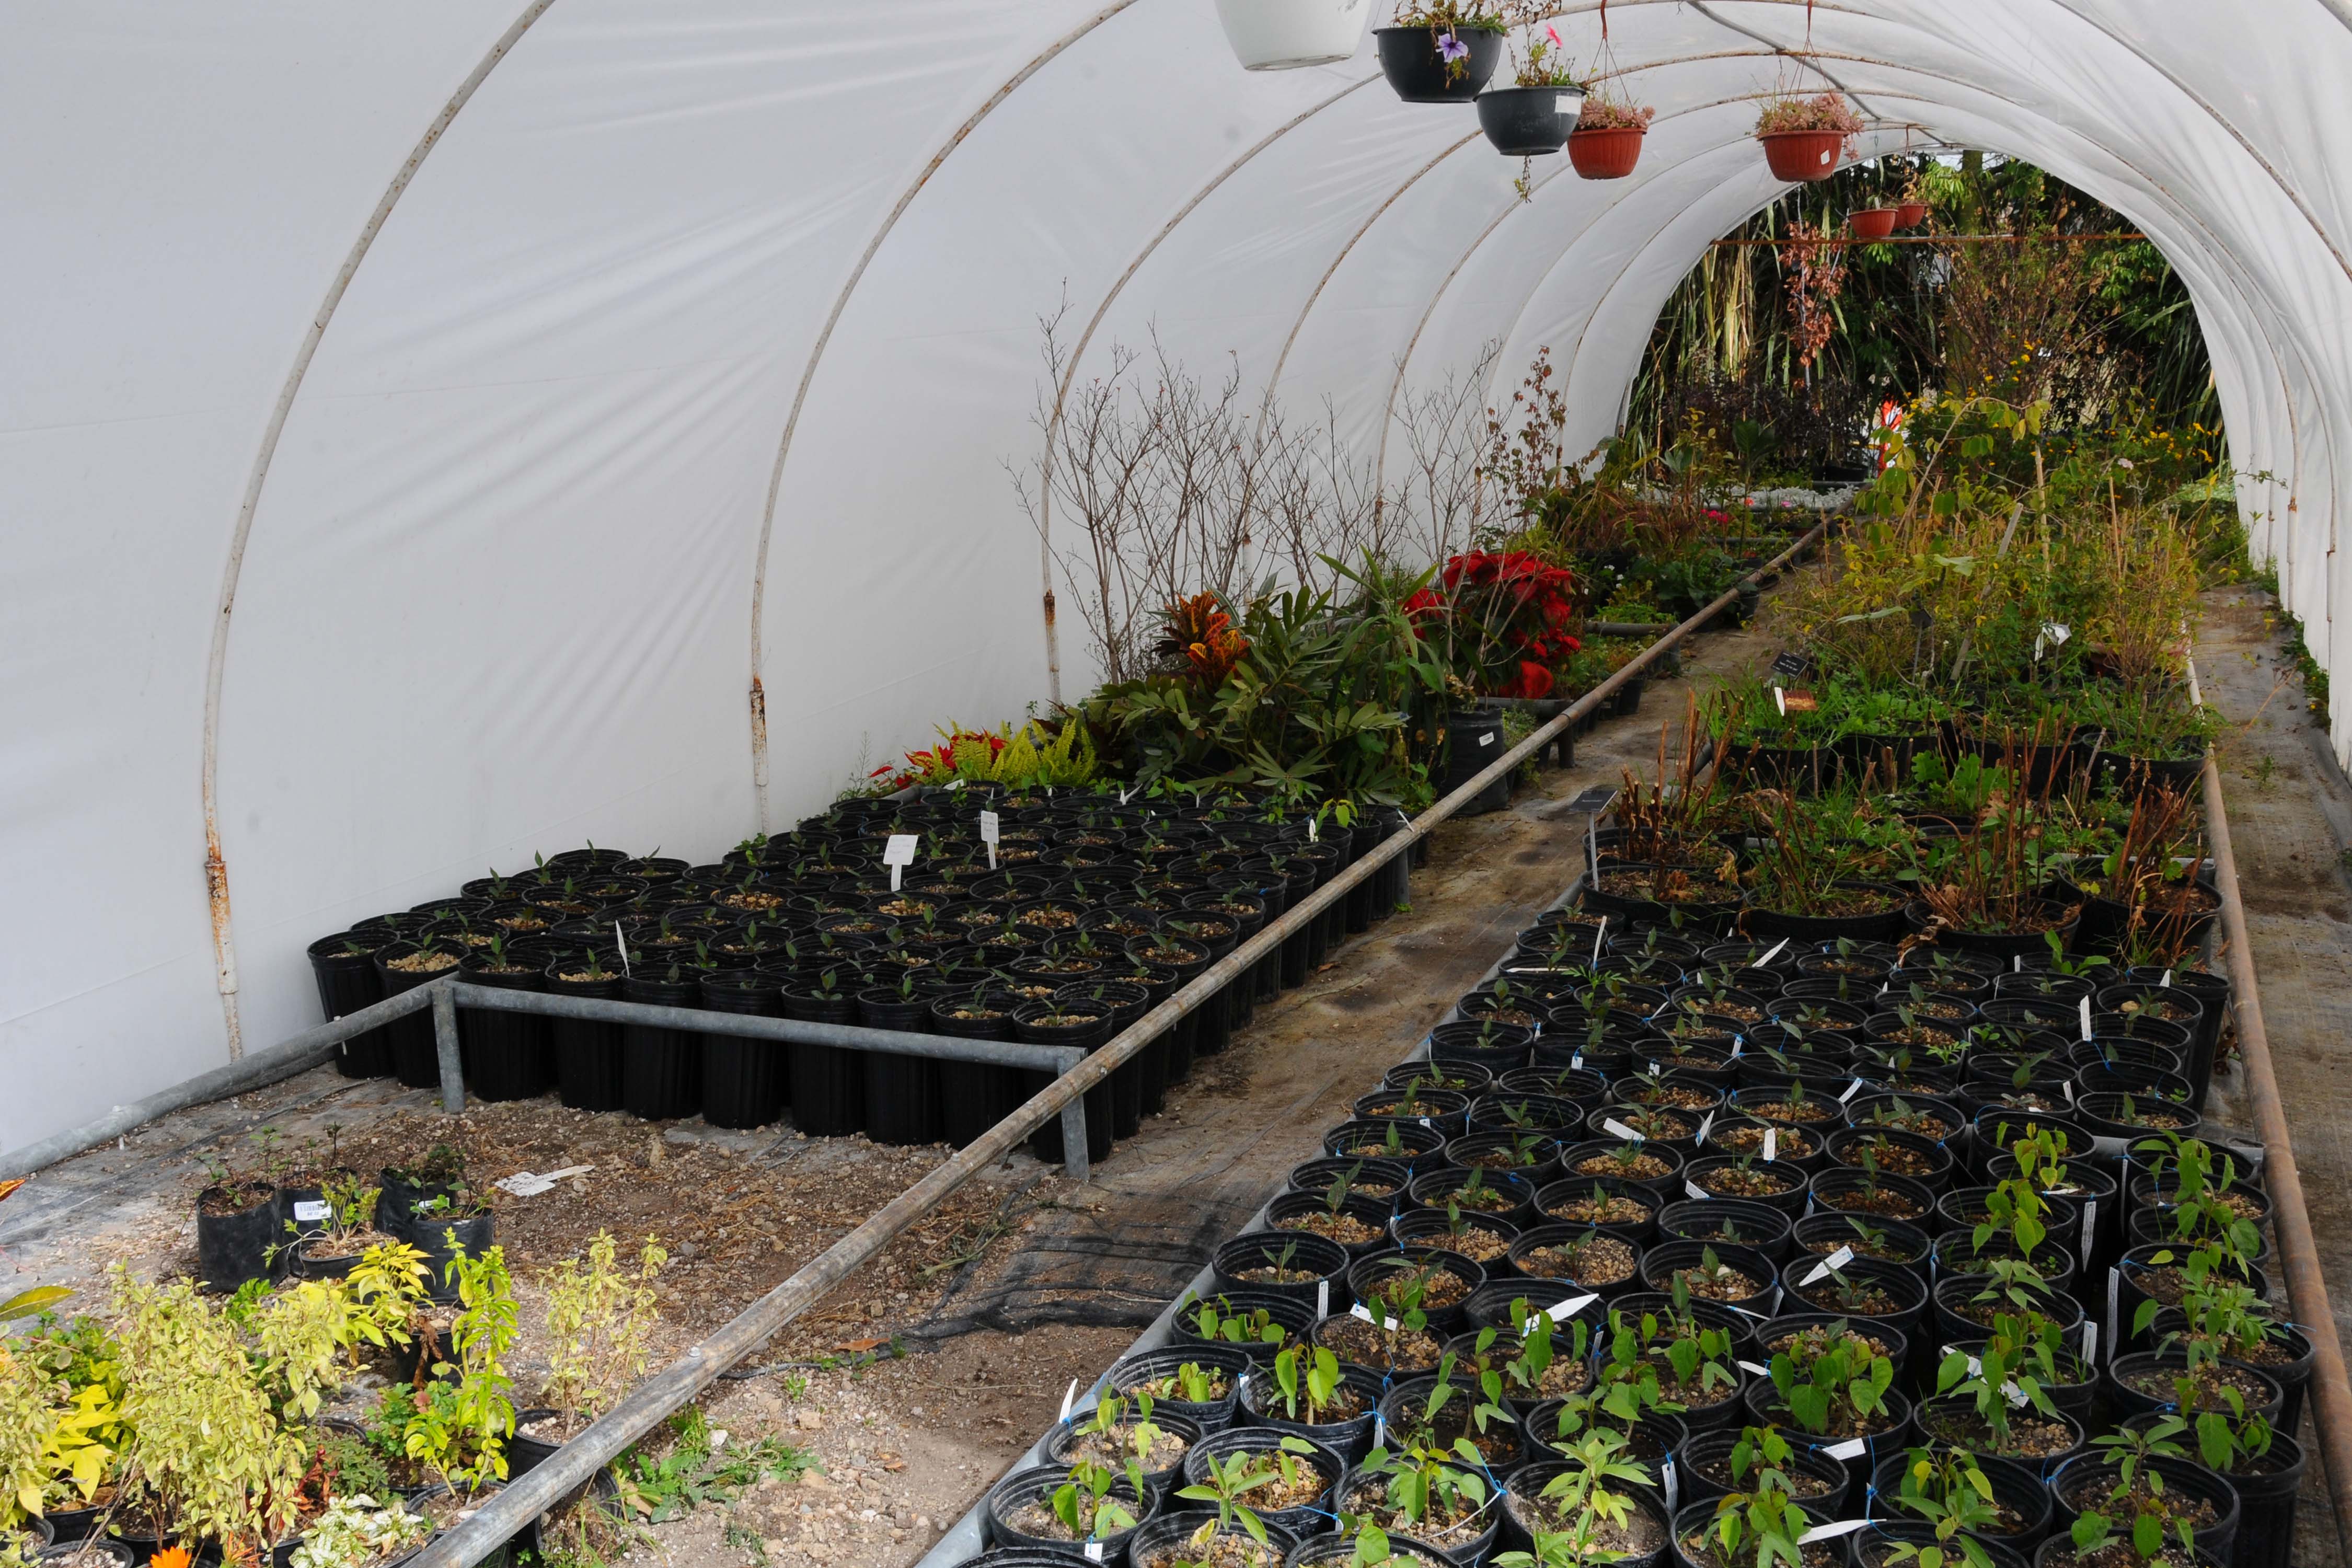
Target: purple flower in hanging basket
[1451,48]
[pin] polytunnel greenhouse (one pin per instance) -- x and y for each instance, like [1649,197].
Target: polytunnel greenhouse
[1196,783]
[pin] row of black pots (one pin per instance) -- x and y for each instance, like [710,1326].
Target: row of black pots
[274,1235]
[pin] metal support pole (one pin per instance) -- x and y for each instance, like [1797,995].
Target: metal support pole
[445,1045]
[653,1401]
[2306,1286]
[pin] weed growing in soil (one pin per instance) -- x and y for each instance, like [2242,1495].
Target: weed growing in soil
[700,1466]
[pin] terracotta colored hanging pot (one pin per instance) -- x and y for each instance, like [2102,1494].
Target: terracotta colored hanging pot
[1606,152]
[1872,222]
[1802,155]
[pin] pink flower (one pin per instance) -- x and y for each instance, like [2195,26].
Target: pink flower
[1554,32]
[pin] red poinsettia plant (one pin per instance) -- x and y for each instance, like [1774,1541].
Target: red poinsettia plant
[937,763]
[1505,615]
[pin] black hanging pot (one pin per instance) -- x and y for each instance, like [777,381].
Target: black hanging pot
[1414,59]
[1528,121]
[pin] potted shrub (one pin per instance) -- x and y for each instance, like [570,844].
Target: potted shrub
[1534,115]
[1286,35]
[1610,130]
[600,1325]
[349,1231]
[1804,137]
[1440,51]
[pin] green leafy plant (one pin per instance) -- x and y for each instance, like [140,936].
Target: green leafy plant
[599,1323]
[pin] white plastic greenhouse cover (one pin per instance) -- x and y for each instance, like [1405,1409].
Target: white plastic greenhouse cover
[538,385]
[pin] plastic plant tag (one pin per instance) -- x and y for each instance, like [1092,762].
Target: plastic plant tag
[1487,739]
[898,853]
[1694,1190]
[1322,1297]
[1834,1261]
[2167,982]
[306,1210]
[1069,1397]
[1094,1550]
[1360,1310]
[2084,1004]
[1562,1311]
[2090,1342]
[1851,1090]
[2115,1289]
[1837,1527]
[1616,1129]
[1852,1448]
[1704,1122]
[1597,937]
[1667,1479]
[1314,830]
[1771,1144]
[2090,1218]
[1655,1071]
[624,947]
[989,835]
[1770,953]
[1576,1061]
[1758,1371]
[1781,701]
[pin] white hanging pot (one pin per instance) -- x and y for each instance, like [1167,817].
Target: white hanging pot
[1284,35]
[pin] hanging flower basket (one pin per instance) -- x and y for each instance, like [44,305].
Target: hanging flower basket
[1607,141]
[1872,222]
[1910,215]
[1528,121]
[1438,64]
[1802,155]
[1804,137]
[1286,34]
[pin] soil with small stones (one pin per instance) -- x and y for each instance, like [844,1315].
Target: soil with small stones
[1344,1228]
[1727,1284]
[1792,1144]
[1807,1110]
[1716,1469]
[1613,1210]
[1867,1301]
[1733,1181]
[1036,1518]
[1227,1549]
[1448,1525]
[1357,1341]
[1886,1203]
[2030,1436]
[1603,1260]
[1471,1242]
[2207,1385]
[1820,1555]
[1638,1537]
[1641,1167]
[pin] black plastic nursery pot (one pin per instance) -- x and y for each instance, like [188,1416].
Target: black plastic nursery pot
[506,1054]
[1822,1484]
[234,1245]
[1159,1374]
[1525,1513]
[348,981]
[1589,1260]
[1070,1441]
[1617,1206]
[825,1084]
[2141,1383]
[1166,1537]
[1299,1520]
[1259,1324]
[1020,1512]
[1892,1431]
[1749,1283]
[586,1052]
[310,1262]
[2285,1355]
[2018,1495]
[1767,1229]
[441,1240]
[901,1092]
[2138,1278]
[2082,1480]
[1360,1224]
[1300,1267]
[1885,1240]
[1893,1543]
[1333,1549]
[1086,1027]
[1864,1289]
[2266,1489]
[1446,1279]
[416,1055]
[742,1079]
[661,1067]
[974,1096]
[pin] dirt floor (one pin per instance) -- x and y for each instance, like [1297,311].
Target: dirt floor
[915,1385]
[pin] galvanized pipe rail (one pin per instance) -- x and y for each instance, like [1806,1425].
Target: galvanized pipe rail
[2306,1286]
[576,1462]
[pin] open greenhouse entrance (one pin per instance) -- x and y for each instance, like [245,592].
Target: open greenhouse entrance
[1846,303]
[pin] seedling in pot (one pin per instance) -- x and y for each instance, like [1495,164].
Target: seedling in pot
[1314,1378]
[1084,1504]
[1233,1477]
[1841,1392]
[2137,1495]
[1947,1488]
[1581,1492]
[1219,1323]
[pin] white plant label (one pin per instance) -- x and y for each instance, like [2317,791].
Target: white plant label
[1314,830]
[624,947]
[2167,982]
[1840,1527]
[1602,933]
[1094,1550]
[1487,739]
[899,853]
[1616,1129]
[990,833]
[1694,1190]
[1852,1448]
[1567,107]
[1666,1474]
[1576,1062]
[2017,963]
[2084,1004]
[1758,1371]
[2090,1342]
[1069,1397]
[1322,1297]
[1655,1071]
[1851,1090]
[2115,1289]
[1704,1122]
[1562,1311]
[1830,1265]
[2090,1218]
[1771,1144]
[307,1210]
[1780,701]
[1770,955]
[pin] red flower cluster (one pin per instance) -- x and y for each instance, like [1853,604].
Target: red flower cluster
[939,759]
[1204,635]
[1520,606]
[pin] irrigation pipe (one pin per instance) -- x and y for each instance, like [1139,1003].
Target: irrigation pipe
[2331,1399]
[576,1462]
